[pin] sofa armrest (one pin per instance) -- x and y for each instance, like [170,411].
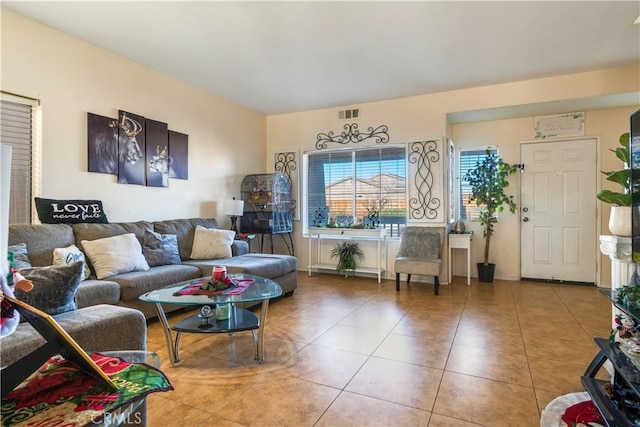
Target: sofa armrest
[96,328]
[239,247]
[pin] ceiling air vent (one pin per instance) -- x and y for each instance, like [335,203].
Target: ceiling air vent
[349,114]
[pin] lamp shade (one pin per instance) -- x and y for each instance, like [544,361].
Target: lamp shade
[233,207]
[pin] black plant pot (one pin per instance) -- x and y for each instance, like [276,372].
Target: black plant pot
[485,272]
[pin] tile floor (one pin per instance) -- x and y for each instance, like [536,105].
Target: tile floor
[350,352]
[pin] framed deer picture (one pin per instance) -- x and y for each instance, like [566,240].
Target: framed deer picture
[158,160]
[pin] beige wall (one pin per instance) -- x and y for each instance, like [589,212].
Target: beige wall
[72,78]
[425,116]
[606,124]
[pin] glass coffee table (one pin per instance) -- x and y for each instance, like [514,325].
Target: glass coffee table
[239,319]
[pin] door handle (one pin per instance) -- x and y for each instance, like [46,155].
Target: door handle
[525,219]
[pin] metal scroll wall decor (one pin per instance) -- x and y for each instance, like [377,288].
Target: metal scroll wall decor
[286,162]
[423,203]
[352,134]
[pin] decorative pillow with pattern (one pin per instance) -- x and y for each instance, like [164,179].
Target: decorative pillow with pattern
[114,255]
[210,243]
[20,257]
[71,254]
[160,249]
[54,287]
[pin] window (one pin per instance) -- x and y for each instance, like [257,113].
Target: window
[352,182]
[468,159]
[17,118]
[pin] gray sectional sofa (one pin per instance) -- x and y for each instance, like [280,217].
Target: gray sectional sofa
[109,315]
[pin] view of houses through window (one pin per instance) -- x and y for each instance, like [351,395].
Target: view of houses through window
[353,183]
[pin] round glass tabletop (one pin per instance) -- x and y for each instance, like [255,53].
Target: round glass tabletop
[259,289]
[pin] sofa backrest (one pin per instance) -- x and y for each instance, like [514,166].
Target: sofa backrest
[41,240]
[100,231]
[185,230]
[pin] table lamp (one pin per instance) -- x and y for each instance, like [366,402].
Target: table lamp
[234,208]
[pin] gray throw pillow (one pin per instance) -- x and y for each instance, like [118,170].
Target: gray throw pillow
[20,257]
[54,288]
[160,249]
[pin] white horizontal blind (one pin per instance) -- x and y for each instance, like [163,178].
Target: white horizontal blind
[16,131]
[350,182]
[469,158]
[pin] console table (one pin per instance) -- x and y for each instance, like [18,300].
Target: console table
[461,241]
[377,234]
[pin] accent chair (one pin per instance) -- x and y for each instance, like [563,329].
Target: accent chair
[420,253]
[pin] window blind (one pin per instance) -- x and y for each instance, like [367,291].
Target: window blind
[16,130]
[469,211]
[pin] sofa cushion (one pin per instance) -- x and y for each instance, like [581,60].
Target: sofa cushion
[264,265]
[212,243]
[94,292]
[132,285]
[185,230]
[20,256]
[100,231]
[160,249]
[54,288]
[114,255]
[70,254]
[52,211]
[41,240]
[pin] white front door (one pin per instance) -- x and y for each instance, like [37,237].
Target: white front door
[558,211]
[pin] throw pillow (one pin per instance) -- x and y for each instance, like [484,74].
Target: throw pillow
[160,249]
[211,243]
[115,255]
[54,288]
[52,211]
[70,254]
[20,257]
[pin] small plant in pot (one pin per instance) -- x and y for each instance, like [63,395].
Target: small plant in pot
[488,180]
[620,216]
[347,252]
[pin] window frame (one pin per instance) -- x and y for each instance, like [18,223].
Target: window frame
[473,209]
[393,228]
[33,152]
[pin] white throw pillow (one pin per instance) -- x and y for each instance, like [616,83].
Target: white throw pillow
[115,255]
[69,255]
[211,243]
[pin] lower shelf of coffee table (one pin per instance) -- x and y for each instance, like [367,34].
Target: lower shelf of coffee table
[239,319]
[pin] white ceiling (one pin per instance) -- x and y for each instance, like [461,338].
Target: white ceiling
[280,57]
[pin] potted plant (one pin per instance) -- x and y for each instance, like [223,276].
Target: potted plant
[620,216]
[488,181]
[346,252]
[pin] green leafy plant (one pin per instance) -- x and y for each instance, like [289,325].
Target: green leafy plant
[488,180]
[630,295]
[621,177]
[346,252]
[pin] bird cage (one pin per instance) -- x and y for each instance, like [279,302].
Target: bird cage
[267,204]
